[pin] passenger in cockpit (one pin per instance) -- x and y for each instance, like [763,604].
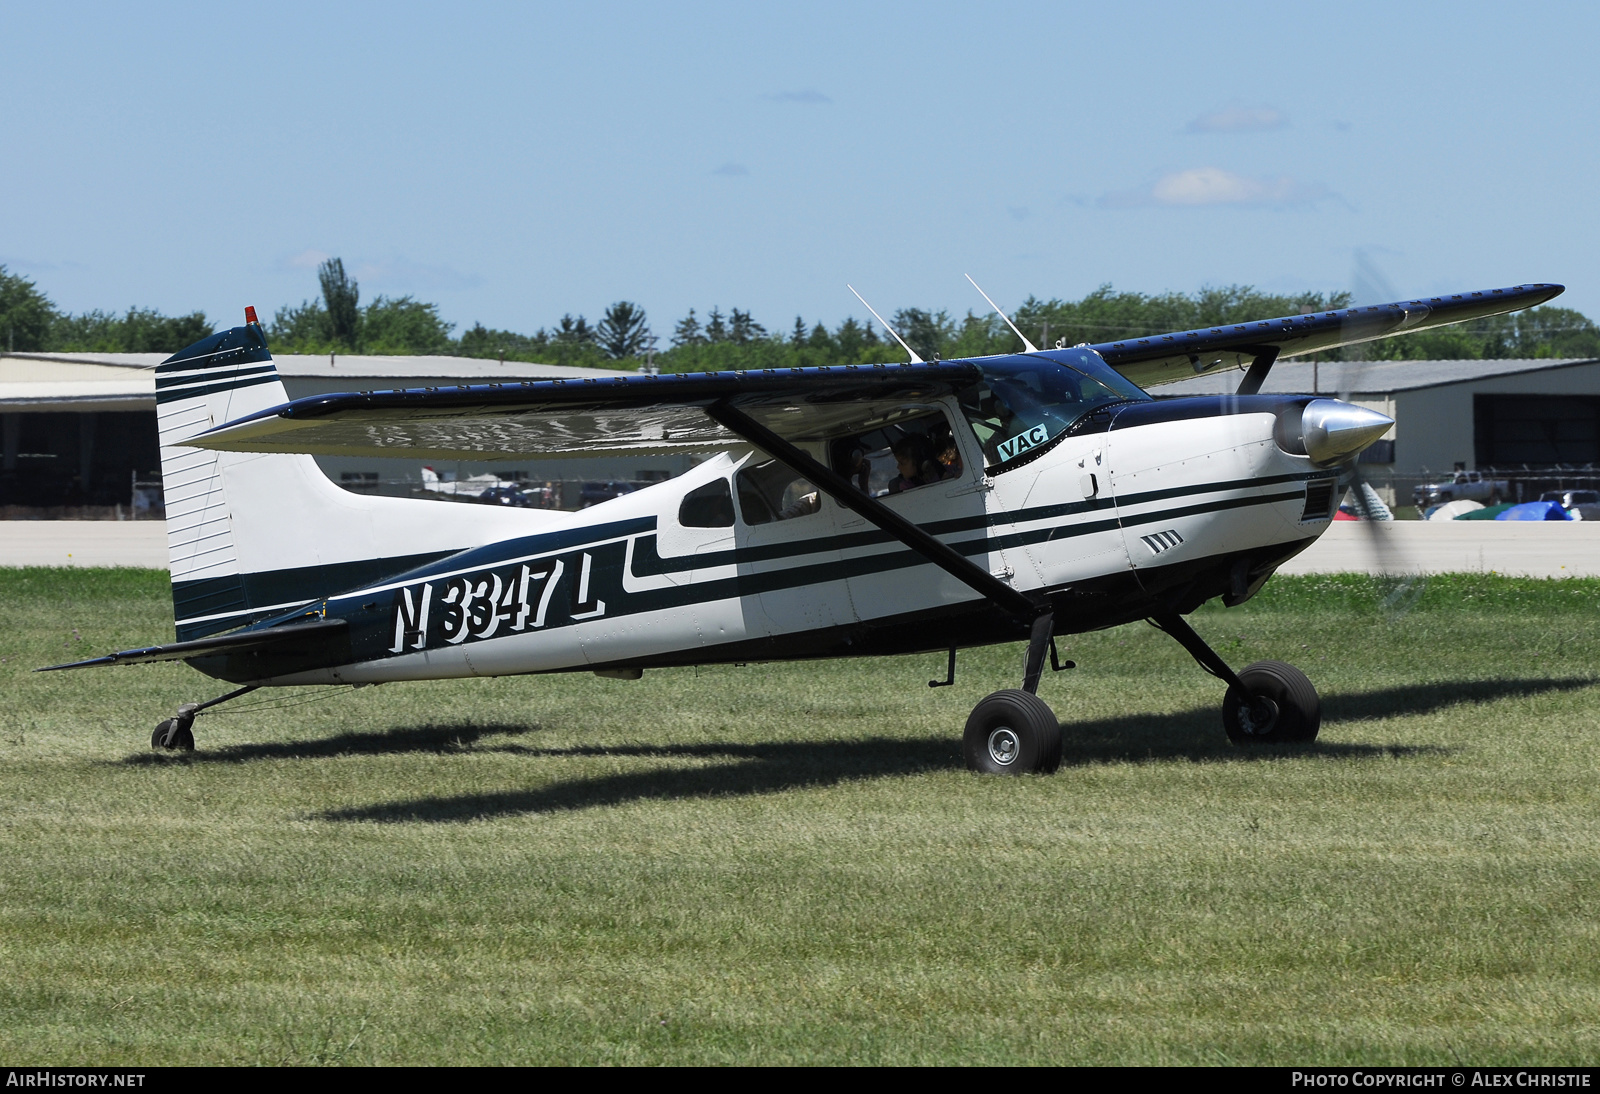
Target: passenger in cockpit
[915,461]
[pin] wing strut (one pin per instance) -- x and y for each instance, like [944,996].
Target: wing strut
[1251,384]
[837,487]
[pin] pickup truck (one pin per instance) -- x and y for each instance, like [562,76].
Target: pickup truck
[1463,485]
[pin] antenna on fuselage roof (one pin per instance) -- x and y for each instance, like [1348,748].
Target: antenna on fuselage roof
[1031,347]
[915,360]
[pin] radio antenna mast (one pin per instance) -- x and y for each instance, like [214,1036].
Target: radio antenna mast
[1031,347]
[915,360]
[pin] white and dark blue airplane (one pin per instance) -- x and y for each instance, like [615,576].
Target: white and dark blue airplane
[844,511]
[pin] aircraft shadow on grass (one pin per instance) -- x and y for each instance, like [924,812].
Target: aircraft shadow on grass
[455,737]
[1192,736]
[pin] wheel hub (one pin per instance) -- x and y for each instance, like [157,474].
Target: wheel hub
[1258,716]
[1004,746]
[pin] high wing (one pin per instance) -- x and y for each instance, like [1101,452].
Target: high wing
[622,415]
[1164,358]
[630,414]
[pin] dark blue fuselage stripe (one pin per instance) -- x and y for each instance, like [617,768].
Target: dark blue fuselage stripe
[311,583]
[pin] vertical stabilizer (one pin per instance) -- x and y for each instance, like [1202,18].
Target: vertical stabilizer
[252,534]
[216,380]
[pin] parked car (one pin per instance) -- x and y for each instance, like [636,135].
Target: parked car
[1468,485]
[1571,499]
[514,496]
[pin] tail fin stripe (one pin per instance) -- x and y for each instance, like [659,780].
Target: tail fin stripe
[228,371]
[170,396]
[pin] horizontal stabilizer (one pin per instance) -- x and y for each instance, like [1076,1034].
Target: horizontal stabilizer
[238,642]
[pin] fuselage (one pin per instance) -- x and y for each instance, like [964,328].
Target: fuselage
[1142,507]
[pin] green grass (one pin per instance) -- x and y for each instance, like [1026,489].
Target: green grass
[789,864]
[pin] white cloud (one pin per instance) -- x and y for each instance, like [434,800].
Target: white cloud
[1239,118]
[732,169]
[401,275]
[810,96]
[1202,186]
[307,260]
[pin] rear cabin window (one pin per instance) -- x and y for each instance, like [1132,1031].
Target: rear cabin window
[903,455]
[771,492]
[708,506]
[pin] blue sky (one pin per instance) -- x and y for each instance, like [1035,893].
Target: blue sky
[517,162]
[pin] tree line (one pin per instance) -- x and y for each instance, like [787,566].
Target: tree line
[338,322]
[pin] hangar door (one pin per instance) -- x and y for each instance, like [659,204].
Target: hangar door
[1537,430]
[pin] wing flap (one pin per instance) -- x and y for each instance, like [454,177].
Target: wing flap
[555,419]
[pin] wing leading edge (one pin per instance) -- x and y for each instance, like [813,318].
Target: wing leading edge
[1164,358]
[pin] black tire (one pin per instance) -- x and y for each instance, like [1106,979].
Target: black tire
[1282,708]
[1012,732]
[174,734]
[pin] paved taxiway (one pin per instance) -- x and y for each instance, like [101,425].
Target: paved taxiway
[1534,549]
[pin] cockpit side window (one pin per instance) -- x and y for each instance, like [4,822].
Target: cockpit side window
[708,506]
[772,491]
[1025,403]
[908,453]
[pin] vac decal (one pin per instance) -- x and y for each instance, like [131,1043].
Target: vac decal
[1019,444]
[490,604]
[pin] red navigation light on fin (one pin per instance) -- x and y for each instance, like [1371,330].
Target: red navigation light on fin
[250,314]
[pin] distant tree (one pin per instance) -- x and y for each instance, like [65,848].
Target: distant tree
[573,331]
[403,325]
[926,332]
[623,331]
[480,341]
[342,297]
[26,314]
[687,332]
[742,330]
[302,329]
[141,330]
[716,329]
[798,338]
[820,339]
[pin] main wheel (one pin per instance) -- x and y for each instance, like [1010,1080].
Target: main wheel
[1012,732]
[1282,706]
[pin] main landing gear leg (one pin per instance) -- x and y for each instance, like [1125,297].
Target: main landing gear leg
[1014,732]
[1270,702]
[177,733]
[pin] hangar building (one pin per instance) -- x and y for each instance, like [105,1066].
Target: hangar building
[1520,417]
[79,429]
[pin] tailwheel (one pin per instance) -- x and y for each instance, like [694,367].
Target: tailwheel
[1281,706]
[175,734]
[1012,732]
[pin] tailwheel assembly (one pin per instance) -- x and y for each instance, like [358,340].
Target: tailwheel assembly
[176,734]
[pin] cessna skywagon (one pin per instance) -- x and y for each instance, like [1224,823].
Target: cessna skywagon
[842,511]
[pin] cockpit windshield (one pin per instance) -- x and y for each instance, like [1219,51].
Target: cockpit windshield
[1025,402]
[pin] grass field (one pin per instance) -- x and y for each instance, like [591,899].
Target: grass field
[789,864]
